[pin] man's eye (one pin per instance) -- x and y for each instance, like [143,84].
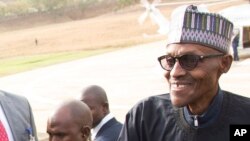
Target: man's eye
[60,135]
[170,60]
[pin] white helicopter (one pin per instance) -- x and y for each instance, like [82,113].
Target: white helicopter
[155,15]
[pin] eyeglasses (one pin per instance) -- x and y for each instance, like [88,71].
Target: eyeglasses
[187,61]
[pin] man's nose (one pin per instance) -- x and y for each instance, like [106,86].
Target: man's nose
[177,70]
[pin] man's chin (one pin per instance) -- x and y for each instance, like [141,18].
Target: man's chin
[178,105]
[177,102]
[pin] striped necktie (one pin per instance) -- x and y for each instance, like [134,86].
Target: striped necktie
[3,134]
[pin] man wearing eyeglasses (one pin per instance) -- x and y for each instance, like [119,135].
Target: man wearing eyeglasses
[196,108]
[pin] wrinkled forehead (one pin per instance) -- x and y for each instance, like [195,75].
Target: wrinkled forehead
[61,125]
[62,117]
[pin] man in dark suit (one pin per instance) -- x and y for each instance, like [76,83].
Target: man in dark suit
[105,127]
[16,118]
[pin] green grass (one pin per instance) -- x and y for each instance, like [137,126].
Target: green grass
[23,63]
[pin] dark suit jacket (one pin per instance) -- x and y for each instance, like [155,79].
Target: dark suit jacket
[19,115]
[109,131]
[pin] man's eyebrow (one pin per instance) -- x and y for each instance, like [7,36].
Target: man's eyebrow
[58,133]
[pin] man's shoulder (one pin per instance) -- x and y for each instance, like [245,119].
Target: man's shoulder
[153,103]
[156,98]
[114,123]
[11,95]
[109,131]
[237,97]
[237,100]
[237,108]
[7,96]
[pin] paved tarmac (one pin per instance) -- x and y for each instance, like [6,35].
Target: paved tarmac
[244,53]
[127,75]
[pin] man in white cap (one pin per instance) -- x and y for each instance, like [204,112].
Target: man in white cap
[196,108]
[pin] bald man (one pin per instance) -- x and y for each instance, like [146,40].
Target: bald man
[71,121]
[105,126]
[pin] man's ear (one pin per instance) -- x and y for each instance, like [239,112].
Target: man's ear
[226,62]
[85,132]
[106,107]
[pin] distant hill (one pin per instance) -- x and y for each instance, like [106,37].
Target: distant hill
[69,12]
[14,22]
[36,14]
[112,30]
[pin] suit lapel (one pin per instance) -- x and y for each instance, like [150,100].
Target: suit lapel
[106,125]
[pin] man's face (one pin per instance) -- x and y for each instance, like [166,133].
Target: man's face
[197,86]
[64,129]
[97,108]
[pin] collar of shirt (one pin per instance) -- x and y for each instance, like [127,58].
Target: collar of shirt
[209,116]
[95,130]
